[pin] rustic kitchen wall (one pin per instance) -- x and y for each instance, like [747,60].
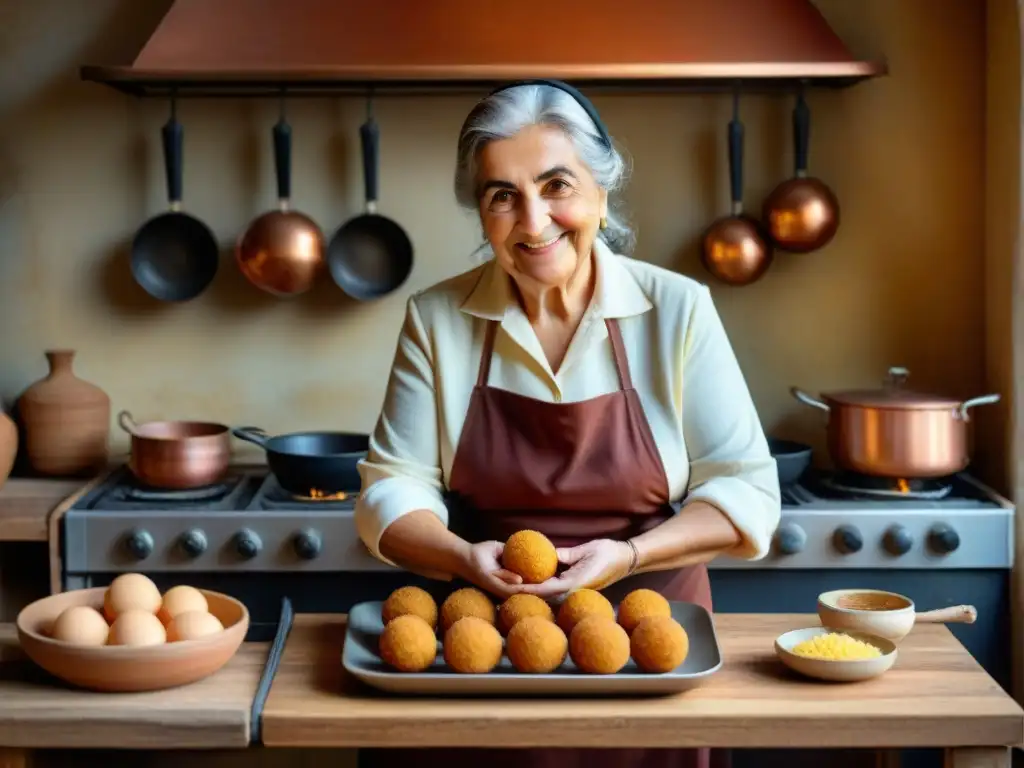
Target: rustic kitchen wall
[80,170]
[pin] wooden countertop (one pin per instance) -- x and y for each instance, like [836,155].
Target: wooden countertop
[38,712]
[936,695]
[25,503]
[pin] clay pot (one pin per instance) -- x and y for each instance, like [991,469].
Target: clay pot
[8,446]
[67,421]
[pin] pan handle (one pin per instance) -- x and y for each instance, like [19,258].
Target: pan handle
[974,402]
[806,399]
[736,163]
[174,141]
[283,161]
[369,135]
[801,136]
[253,435]
[127,423]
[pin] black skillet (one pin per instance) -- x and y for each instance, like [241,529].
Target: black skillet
[791,458]
[370,255]
[308,462]
[174,255]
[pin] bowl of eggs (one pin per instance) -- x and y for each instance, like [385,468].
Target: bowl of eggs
[129,637]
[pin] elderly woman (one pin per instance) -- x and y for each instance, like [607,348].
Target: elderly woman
[565,388]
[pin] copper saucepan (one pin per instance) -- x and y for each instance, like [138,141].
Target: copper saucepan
[177,455]
[894,432]
[801,213]
[282,251]
[734,248]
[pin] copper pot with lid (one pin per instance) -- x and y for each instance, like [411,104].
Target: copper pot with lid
[177,455]
[895,432]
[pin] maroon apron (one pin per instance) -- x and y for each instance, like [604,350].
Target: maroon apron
[575,472]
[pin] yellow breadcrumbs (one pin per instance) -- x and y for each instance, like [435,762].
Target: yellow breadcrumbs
[836,647]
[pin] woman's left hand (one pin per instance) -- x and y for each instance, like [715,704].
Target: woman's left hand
[593,565]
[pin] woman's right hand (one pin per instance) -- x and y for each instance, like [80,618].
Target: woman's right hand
[482,566]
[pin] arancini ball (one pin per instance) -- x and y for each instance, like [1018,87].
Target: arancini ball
[531,555]
[582,603]
[536,645]
[599,646]
[639,604]
[659,644]
[408,644]
[519,607]
[413,601]
[472,646]
[464,602]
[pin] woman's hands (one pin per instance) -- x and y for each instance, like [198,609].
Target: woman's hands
[593,565]
[482,566]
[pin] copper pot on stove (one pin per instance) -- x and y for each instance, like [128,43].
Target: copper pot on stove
[177,455]
[894,432]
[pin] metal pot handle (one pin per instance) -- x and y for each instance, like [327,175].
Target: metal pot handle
[961,412]
[127,423]
[806,399]
[253,435]
[898,376]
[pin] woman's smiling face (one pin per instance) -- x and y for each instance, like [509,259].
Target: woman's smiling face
[540,206]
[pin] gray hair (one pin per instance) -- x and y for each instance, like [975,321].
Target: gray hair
[505,113]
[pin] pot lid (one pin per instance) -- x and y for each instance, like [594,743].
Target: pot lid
[893,394]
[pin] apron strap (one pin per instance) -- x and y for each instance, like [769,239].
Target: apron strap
[619,351]
[486,353]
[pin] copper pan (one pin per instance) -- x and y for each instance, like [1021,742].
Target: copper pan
[802,213]
[894,432]
[177,455]
[282,251]
[734,248]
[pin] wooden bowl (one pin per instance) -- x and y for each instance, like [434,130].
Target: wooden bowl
[835,670]
[122,668]
[884,614]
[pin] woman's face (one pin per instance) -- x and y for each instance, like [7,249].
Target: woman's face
[540,206]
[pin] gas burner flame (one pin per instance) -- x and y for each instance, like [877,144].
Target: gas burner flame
[316,494]
[902,486]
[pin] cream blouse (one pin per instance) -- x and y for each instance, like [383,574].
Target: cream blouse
[683,368]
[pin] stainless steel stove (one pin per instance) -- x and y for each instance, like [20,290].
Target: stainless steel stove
[245,536]
[832,522]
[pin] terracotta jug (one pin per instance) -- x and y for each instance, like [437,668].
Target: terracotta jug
[67,421]
[8,446]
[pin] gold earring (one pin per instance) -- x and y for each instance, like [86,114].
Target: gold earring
[604,223]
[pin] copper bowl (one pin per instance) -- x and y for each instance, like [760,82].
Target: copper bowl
[123,668]
[177,455]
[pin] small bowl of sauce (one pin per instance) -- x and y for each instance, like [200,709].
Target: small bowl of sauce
[884,614]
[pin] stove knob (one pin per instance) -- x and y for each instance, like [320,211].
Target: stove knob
[140,543]
[247,543]
[847,539]
[308,544]
[897,540]
[193,542]
[790,539]
[943,539]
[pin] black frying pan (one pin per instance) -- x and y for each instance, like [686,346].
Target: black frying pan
[174,255]
[791,458]
[370,255]
[307,463]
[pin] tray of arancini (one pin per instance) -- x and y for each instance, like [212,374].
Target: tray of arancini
[483,632]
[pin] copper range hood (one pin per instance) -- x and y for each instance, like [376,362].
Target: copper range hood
[235,47]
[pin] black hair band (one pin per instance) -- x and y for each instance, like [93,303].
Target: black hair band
[582,100]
